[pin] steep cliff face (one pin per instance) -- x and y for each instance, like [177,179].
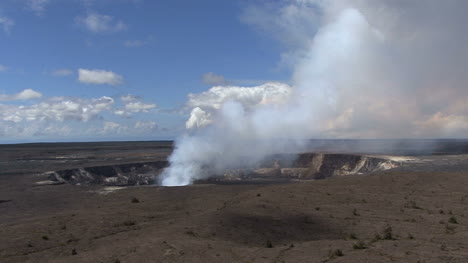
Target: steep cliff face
[308,166]
[278,167]
[111,175]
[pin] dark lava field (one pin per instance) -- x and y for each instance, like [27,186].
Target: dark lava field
[342,201]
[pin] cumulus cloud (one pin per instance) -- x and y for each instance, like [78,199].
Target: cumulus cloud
[70,117]
[3,68]
[57,109]
[110,127]
[27,94]
[129,98]
[138,106]
[206,104]
[38,6]
[99,23]
[146,126]
[211,78]
[62,72]
[133,104]
[6,23]
[269,93]
[98,76]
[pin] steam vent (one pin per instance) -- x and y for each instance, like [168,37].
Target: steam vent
[275,168]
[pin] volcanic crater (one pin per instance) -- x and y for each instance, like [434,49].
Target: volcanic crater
[274,168]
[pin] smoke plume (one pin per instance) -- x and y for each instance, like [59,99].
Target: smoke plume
[361,69]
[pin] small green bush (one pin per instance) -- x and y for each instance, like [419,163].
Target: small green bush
[453,220]
[359,245]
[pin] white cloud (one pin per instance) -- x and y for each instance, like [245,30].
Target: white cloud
[71,117]
[138,106]
[128,98]
[62,72]
[146,126]
[135,43]
[57,109]
[3,68]
[98,76]
[112,128]
[273,92]
[38,6]
[206,104]
[133,104]
[6,23]
[27,94]
[98,23]
[211,78]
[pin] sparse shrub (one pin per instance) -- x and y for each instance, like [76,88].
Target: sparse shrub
[355,213]
[377,237]
[317,209]
[258,195]
[45,237]
[359,245]
[453,220]
[191,233]
[335,253]
[352,236]
[410,236]
[74,252]
[364,201]
[268,244]
[135,200]
[129,223]
[126,223]
[441,212]
[388,233]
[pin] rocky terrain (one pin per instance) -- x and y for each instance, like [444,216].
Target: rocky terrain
[364,212]
[279,167]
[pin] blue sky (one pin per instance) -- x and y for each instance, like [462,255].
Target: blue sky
[87,70]
[155,51]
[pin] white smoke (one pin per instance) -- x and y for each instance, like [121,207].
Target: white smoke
[362,69]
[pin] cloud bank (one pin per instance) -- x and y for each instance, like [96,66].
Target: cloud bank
[361,69]
[69,117]
[27,94]
[98,76]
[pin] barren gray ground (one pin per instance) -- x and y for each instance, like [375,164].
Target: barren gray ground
[416,213]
